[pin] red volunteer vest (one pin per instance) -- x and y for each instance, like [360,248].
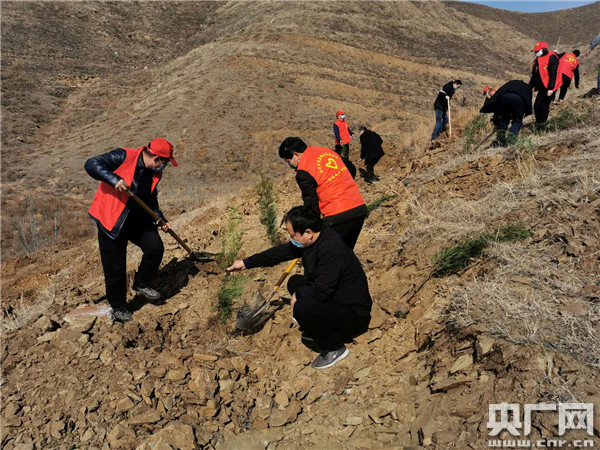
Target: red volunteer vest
[568,64]
[109,204]
[543,68]
[343,129]
[336,189]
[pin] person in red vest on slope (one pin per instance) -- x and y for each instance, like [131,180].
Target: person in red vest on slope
[327,186]
[569,68]
[120,219]
[343,134]
[545,79]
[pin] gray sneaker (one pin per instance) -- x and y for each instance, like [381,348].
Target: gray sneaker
[329,358]
[148,292]
[122,315]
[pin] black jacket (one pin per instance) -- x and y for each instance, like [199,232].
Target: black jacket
[518,87]
[440,101]
[536,80]
[370,146]
[332,271]
[102,168]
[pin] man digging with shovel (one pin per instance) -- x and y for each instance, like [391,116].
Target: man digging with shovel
[331,301]
[120,219]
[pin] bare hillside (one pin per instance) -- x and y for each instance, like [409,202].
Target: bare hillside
[225,82]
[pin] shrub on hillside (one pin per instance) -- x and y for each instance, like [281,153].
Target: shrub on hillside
[231,239]
[231,289]
[473,130]
[266,203]
[378,202]
[452,260]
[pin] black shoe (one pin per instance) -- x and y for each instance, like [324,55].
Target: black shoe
[147,292]
[122,315]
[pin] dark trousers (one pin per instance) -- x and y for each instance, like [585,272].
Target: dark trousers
[510,107]
[349,230]
[541,107]
[328,323]
[371,167]
[566,82]
[344,151]
[114,260]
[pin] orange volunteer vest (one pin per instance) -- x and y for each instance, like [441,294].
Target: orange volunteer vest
[344,132]
[543,68]
[568,64]
[108,203]
[336,189]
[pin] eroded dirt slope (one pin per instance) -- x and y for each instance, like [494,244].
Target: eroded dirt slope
[418,378]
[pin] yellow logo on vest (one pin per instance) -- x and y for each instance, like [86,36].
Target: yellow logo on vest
[331,164]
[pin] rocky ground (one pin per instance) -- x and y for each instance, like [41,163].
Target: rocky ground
[435,355]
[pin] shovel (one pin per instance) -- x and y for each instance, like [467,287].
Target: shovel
[449,121]
[196,256]
[485,140]
[248,317]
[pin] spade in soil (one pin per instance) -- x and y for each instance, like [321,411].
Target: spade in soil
[250,316]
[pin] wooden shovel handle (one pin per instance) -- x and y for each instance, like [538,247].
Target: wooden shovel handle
[158,220]
[283,277]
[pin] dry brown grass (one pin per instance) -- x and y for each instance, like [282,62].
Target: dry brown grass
[24,313]
[525,301]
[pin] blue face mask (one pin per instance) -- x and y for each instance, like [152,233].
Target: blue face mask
[298,244]
[343,116]
[161,168]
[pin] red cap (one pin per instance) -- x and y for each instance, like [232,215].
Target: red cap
[163,148]
[339,112]
[539,46]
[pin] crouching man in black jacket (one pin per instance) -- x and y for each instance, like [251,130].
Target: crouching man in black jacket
[331,302]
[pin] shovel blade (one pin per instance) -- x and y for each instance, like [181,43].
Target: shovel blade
[251,315]
[202,257]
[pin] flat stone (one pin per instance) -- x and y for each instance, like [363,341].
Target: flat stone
[175,435]
[146,417]
[200,357]
[353,420]
[461,364]
[484,345]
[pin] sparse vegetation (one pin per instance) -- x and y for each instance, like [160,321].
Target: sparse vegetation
[524,145]
[510,233]
[472,131]
[454,259]
[561,121]
[231,239]
[266,203]
[378,202]
[231,289]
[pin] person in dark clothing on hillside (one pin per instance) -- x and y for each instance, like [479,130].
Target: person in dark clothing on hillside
[441,106]
[327,186]
[120,219]
[591,48]
[370,151]
[545,80]
[331,302]
[569,68]
[510,103]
